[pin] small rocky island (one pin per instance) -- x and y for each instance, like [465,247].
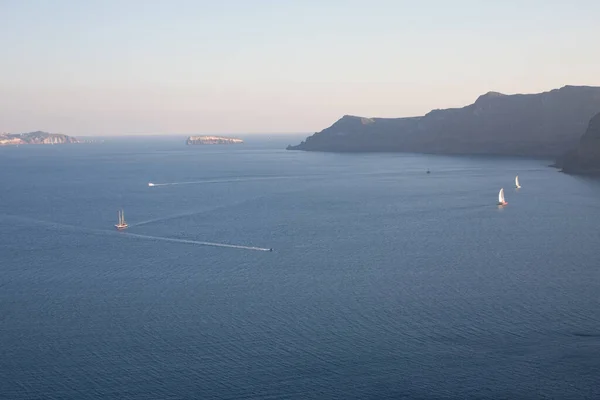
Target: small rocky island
[38,137]
[212,140]
[585,158]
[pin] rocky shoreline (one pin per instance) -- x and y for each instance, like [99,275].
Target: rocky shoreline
[38,137]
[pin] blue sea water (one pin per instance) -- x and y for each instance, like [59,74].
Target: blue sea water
[384,282]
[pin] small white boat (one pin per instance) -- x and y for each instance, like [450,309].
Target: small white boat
[501,200]
[517,182]
[150,184]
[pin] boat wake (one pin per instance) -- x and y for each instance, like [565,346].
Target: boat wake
[193,213]
[174,216]
[49,223]
[133,235]
[230,180]
[200,243]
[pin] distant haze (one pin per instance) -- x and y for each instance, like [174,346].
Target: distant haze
[107,67]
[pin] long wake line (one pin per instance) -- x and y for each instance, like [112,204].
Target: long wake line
[225,180]
[231,246]
[134,235]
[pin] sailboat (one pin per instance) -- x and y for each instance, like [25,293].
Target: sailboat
[501,200]
[517,182]
[122,224]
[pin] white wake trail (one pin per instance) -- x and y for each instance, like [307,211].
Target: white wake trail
[133,235]
[228,180]
[187,241]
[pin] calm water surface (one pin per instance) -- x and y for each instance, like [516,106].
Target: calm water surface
[384,282]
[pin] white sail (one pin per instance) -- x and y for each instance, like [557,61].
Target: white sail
[517,181]
[121,224]
[501,196]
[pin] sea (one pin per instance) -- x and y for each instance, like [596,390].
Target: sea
[384,281]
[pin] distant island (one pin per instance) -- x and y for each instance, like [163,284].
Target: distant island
[213,140]
[38,137]
[585,158]
[538,125]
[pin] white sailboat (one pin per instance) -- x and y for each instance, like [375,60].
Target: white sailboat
[122,224]
[501,200]
[517,182]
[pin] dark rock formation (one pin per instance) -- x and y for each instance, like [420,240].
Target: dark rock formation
[585,159]
[212,140]
[37,137]
[542,124]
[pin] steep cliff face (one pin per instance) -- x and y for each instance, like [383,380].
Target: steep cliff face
[358,134]
[542,124]
[585,159]
[37,137]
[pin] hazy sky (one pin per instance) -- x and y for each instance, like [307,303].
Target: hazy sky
[236,66]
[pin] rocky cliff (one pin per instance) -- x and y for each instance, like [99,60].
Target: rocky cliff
[38,137]
[212,140]
[585,159]
[541,124]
